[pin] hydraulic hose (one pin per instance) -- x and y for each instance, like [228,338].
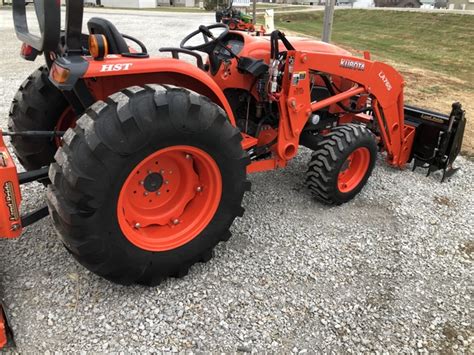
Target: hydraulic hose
[330,88]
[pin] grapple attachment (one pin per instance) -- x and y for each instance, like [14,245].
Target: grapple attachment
[438,138]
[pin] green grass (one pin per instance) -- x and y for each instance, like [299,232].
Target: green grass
[440,42]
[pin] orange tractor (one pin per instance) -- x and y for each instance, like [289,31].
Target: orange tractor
[145,159]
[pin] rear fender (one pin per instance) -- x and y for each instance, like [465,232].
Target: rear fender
[117,73]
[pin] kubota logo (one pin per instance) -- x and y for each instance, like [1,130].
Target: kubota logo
[352,64]
[385,80]
[116,67]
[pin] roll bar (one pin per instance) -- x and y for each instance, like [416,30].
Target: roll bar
[48,14]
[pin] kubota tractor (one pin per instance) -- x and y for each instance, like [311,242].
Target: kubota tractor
[146,158]
[235,19]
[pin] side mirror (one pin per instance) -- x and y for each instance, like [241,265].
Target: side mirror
[48,14]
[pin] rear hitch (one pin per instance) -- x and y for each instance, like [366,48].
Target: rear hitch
[438,138]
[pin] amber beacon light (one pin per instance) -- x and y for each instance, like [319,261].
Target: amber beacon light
[98,46]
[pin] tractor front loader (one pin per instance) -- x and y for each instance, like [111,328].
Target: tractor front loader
[145,159]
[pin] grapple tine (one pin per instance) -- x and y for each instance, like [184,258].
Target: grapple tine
[448,172]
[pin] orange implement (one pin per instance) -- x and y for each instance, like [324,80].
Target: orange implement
[10,221]
[3,329]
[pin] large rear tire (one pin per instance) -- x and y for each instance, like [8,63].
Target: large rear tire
[37,106]
[341,164]
[147,184]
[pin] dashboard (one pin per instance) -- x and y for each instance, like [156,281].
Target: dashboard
[232,41]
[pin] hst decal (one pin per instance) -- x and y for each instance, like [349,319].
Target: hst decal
[116,67]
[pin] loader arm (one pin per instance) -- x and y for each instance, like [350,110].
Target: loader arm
[379,81]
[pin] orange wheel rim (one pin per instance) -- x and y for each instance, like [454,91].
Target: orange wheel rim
[169,198]
[353,170]
[66,121]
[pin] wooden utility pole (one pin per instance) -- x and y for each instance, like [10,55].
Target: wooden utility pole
[254,10]
[328,19]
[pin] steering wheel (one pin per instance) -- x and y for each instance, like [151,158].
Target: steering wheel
[210,41]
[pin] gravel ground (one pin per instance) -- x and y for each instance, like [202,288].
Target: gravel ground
[391,270]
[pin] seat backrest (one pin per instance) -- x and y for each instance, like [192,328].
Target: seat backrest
[116,42]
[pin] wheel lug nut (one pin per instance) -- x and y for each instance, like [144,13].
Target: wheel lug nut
[175,221]
[188,156]
[162,171]
[142,182]
[137,225]
[158,193]
[166,182]
[150,172]
[199,189]
[146,193]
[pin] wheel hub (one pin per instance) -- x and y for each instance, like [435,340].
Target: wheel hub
[169,198]
[153,182]
[66,121]
[353,170]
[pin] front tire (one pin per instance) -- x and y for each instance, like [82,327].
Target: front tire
[341,164]
[147,184]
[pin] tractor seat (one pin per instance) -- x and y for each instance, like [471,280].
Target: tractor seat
[115,40]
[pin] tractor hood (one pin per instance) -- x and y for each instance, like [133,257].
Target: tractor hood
[259,46]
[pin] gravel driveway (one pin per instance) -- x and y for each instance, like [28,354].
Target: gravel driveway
[391,270]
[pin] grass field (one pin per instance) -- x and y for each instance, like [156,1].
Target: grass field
[279,7]
[434,52]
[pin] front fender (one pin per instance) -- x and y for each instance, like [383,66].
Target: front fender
[117,72]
